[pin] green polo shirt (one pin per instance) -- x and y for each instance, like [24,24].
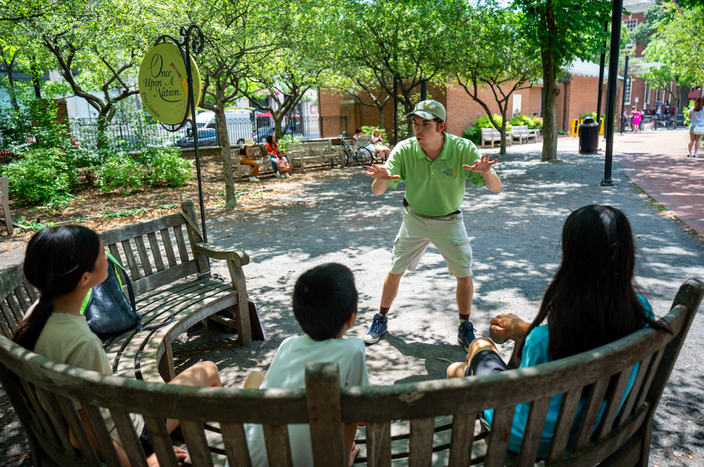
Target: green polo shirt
[434,188]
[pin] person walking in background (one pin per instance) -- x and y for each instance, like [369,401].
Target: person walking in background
[246,159]
[696,126]
[636,116]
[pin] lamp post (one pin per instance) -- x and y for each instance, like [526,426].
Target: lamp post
[616,13]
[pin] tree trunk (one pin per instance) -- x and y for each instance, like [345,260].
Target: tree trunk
[102,128]
[502,148]
[278,118]
[11,83]
[550,93]
[226,152]
[381,117]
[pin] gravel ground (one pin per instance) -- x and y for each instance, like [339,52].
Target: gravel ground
[515,239]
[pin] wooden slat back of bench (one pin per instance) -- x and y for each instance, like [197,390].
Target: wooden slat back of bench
[16,296]
[157,252]
[598,373]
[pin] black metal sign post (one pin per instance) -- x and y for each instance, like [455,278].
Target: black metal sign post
[192,43]
[611,98]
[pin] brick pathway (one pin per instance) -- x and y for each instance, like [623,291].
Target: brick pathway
[657,162]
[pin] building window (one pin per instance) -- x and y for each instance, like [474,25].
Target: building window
[631,25]
[627,98]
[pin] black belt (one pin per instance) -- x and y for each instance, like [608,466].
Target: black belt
[405,204]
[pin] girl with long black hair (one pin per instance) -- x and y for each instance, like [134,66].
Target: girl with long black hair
[590,302]
[63,263]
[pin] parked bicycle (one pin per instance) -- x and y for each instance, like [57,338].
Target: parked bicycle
[670,123]
[353,154]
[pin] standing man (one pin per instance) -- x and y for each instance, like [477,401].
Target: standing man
[435,166]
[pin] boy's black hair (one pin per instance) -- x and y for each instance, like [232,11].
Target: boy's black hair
[324,298]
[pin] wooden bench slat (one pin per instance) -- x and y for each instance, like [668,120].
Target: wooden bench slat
[156,251]
[590,414]
[165,277]
[8,322]
[32,292]
[613,402]
[633,395]
[197,444]
[499,435]
[78,429]
[102,436]
[168,248]
[181,243]
[129,439]
[565,419]
[22,299]
[50,415]
[420,449]
[278,449]
[378,444]
[15,307]
[650,374]
[161,442]
[532,434]
[462,439]
[325,419]
[10,277]
[115,252]
[130,231]
[131,262]
[235,440]
[143,256]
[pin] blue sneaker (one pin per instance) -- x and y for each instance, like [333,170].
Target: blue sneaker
[465,334]
[380,324]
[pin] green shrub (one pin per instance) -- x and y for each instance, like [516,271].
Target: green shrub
[286,140]
[533,123]
[685,111]
[39,176]
[120,172]
[474,133]
[167,168]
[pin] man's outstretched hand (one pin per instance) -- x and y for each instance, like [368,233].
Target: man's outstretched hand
[380,173]
[481,165]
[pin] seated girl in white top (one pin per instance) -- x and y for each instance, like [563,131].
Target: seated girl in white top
[63,263]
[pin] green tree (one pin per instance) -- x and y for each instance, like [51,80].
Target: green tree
[680,44]
[494,55]
[562,30]
[644,31]
[97,48]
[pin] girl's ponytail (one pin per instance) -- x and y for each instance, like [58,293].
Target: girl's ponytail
[56,259]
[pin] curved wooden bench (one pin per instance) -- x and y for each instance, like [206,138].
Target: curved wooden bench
[170,273]
[415,424]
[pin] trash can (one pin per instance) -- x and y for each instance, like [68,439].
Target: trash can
[588,136]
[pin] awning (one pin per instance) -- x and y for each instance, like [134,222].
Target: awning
[265,114]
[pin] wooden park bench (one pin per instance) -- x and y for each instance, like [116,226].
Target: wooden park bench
[523,134]
[170,273]
[259,153]
[321,152]
[415,424]
[5,205]
[492,136]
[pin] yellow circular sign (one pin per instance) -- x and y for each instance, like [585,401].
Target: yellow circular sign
[163,84]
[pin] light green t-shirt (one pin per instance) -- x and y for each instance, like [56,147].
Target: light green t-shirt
[434,188]
[68,339]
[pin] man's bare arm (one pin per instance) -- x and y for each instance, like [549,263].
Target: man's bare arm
[483,166]
[381,176]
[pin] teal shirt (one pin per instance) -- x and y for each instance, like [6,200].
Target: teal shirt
[535,352]
[434,188]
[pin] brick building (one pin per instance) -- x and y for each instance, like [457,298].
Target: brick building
[578,95]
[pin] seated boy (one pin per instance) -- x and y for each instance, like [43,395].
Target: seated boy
[325,306]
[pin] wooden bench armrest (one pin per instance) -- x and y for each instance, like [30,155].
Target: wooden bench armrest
[240,257]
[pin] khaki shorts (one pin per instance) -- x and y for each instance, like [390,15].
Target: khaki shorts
[447,233]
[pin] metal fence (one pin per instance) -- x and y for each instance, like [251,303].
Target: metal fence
[131,136]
